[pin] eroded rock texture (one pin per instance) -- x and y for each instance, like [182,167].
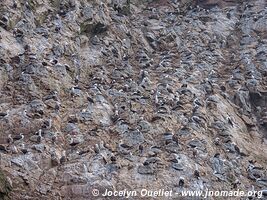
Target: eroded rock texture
[132,94]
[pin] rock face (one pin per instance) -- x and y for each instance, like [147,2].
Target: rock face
[5,186]
[133,94]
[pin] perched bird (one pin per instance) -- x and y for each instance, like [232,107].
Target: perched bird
[3,148]
[24,114]
[184,85]
[37,138]
[57,107]
[75,91]
[196,172]
[18,137]
[63,157]
[196,107]
[23,149]
[230,121]
[196,102]
[123,148]
[52,95]
[96,148]
[74,142]
[14,149]
[168,136]
[47,124]
[101,145]
[4,114]
[196,119]
[181,182]
[54,137]
[113,159]
[141,148]
[54,159]
[9,139]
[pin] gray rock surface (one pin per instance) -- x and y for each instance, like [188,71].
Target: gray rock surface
[133,94]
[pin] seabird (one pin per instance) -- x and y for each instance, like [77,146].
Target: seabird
[123,148]
[168,88]
[53,95]
[23,149]
[144,74]
[9,139]
[101,145]
[113,159]
[24,113]
[156,97]
[48,124]
[53,61]
[54,159]
[90,99]
[184,85]
[196,172]
[168,137]
[77,78]
[141,148]
[4,114]
[217,141]
[75,91]
[196,107]
[196,119]
[14,149]
[181,182]
[3,148]
[96,149]
[54,138]
[63,157]
[18,137]
[217,155]
[195,152]
[37,138]
[73,142]
[57,107]
[196,102]
[230,121]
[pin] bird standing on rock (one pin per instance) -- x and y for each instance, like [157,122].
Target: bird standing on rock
[57,107]
[18,137]
[54,137]
[25,118]
[9,139]
[48,124]
[181,182]
[37,138]
[54,159]
[23,149]
[24,114]
[75,91]
[123,148]
[4,114]
[74,142]
[63,157]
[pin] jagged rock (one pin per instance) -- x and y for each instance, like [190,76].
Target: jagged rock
[5,187]
[129,93]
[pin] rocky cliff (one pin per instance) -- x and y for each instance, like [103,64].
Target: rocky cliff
[132,94]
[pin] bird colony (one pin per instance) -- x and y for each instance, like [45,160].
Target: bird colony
[119,94]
